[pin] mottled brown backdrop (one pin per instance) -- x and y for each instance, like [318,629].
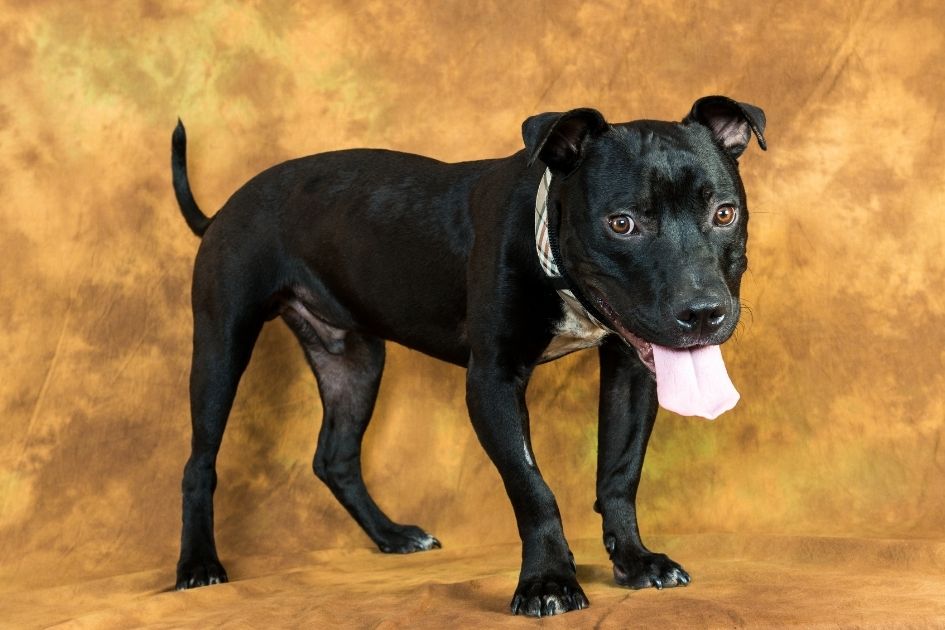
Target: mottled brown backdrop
[839,361]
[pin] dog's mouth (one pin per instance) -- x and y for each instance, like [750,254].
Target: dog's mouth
[690,381]
[644,348]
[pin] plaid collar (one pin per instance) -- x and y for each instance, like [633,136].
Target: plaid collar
[546,254]
[542,241]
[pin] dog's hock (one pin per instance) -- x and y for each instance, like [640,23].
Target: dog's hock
[731,122]
[558,139]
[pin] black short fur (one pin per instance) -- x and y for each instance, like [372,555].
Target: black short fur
[352,248]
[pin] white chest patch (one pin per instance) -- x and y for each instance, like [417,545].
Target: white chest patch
[575,331]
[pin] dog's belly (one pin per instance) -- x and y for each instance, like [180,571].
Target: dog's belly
[574,332]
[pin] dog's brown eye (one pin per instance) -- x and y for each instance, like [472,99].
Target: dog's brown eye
[621,224]
[724,215]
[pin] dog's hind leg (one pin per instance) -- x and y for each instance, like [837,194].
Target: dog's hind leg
[348,369]
[222,347]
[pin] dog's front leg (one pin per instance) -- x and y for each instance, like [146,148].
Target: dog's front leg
[627,413]
[495,395]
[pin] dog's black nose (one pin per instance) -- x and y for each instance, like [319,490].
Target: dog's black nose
[702,317]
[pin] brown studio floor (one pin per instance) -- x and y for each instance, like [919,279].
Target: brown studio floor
[738,581]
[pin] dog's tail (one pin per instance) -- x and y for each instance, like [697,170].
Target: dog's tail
[197,221]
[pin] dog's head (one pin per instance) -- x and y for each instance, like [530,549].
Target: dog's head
[652,216]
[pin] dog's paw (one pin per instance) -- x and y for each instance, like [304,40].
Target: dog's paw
[546,596]
[649,569]
[201,572]
[406,539]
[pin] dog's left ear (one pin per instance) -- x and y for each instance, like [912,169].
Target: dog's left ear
[730,122]
[559,139]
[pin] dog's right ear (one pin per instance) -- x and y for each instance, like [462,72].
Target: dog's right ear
[558,139]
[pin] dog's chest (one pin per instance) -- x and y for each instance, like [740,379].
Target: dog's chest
[575,331]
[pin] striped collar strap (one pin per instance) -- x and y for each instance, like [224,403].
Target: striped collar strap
[546,253]
[542,239]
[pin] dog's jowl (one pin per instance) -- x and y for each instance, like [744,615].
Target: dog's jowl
[629,237]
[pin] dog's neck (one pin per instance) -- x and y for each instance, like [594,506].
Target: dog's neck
[547,258]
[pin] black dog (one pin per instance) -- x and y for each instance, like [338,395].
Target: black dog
[641,236]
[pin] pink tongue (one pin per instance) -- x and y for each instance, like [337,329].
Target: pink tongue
[693,382]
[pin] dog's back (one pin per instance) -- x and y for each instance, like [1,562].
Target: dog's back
[307,231]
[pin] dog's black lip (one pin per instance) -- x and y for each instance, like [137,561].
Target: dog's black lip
[611,314]
[614,321]
[643,347]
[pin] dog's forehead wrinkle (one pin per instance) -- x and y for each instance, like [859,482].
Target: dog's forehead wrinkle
[672,146]
[663,166]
